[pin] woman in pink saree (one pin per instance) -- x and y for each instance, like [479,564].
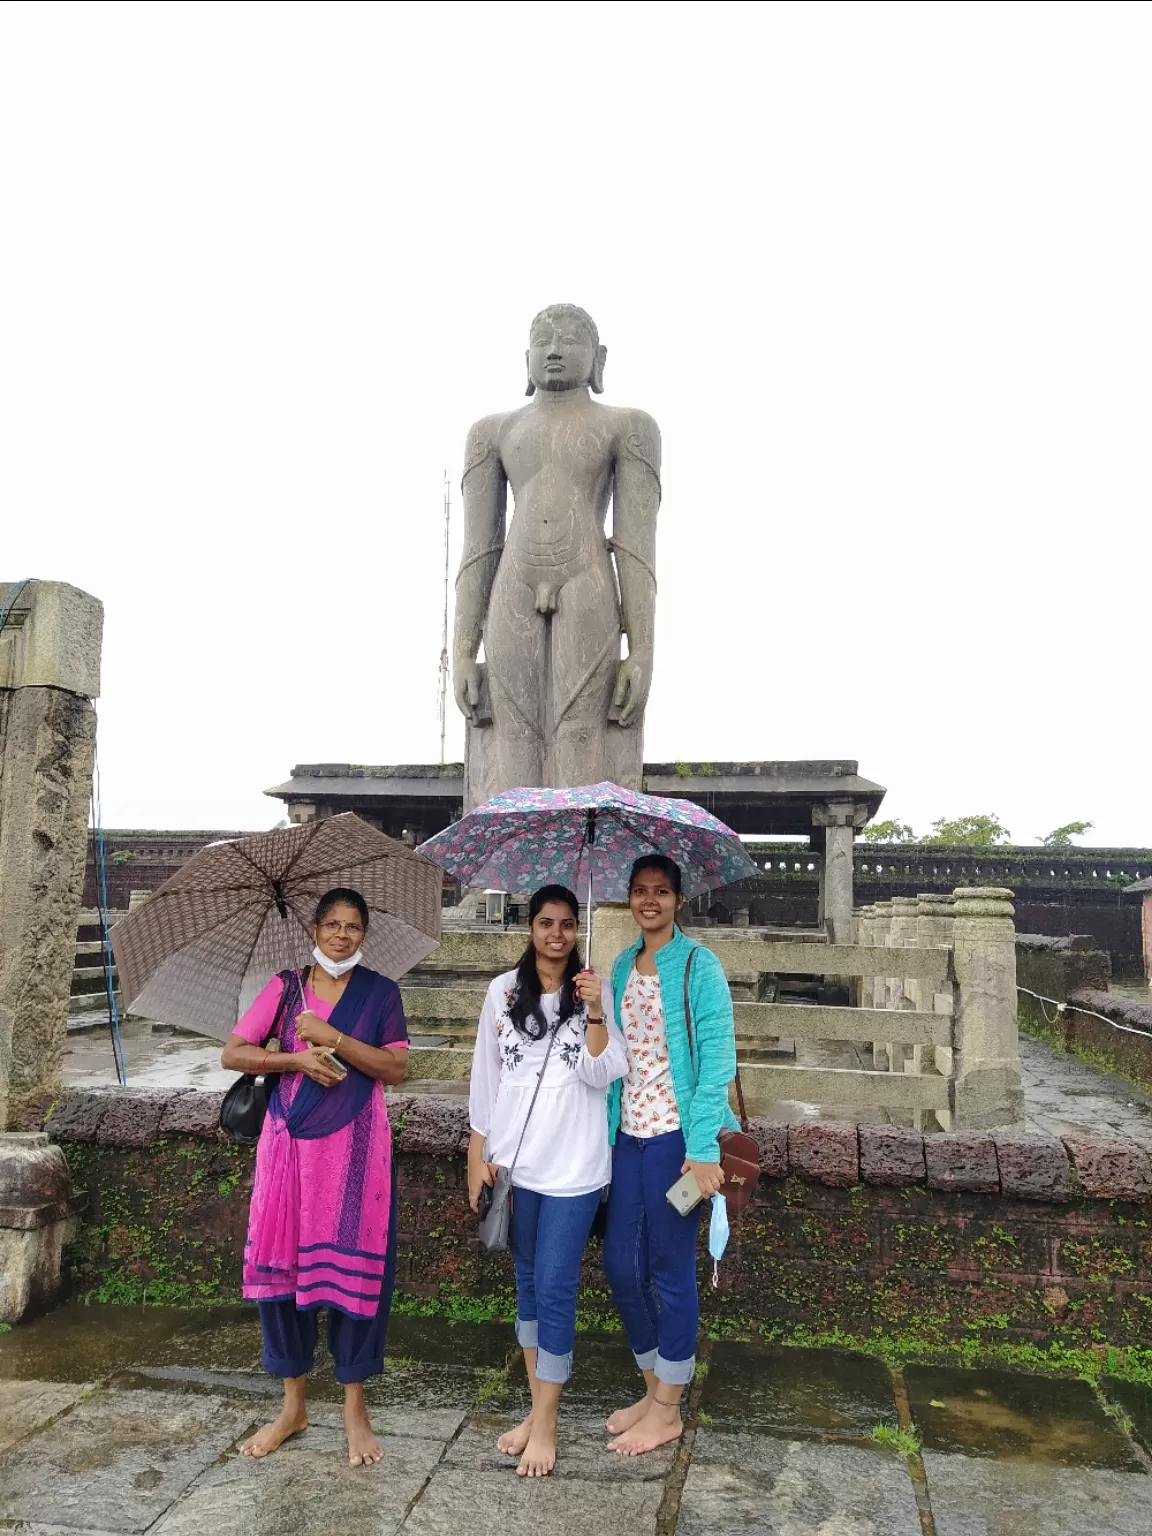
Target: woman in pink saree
[322,1222]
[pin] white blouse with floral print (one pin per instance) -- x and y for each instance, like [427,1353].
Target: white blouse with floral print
[565,1149]
[648,1102]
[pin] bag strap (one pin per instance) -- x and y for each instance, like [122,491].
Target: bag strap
[691,1048]
[282,1005]
[535,1094]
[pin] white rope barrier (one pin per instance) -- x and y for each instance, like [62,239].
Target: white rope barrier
[1076,1008]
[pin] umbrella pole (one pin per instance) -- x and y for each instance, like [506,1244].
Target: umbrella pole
[588,924]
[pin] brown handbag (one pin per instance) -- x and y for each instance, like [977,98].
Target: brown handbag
[739,1153]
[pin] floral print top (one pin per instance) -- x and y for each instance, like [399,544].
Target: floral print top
[648,1103]
[565,1138]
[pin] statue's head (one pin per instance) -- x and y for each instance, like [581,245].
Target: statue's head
[564,350]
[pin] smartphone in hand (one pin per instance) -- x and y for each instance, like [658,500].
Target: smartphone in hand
[335,1063]
[685,1194]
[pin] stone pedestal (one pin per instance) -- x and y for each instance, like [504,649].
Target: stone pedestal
[38,1216]
[49,674]
[987,1078]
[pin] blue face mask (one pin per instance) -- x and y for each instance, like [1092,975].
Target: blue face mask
[718,1235]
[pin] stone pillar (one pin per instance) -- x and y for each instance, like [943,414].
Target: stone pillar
[49,674]
[901,932]
[987,1071]
[934,931]
[37,1217]
[881,922]
[612,931]
[839,820]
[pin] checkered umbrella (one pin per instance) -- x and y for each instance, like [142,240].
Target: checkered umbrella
[207,940]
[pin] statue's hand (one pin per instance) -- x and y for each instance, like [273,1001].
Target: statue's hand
[468,678]
[633,681]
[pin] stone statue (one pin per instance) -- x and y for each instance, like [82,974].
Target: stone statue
[553,702]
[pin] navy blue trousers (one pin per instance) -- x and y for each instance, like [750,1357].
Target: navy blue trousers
[650,1255]
[356,1344]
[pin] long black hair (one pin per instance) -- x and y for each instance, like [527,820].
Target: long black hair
[525,1012]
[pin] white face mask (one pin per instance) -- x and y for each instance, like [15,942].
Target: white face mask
[335,967]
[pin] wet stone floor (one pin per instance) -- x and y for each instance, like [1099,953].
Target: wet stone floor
[129,1420]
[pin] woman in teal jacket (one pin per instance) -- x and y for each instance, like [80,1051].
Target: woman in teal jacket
[664,1119]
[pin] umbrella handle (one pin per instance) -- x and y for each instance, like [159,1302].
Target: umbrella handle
[588,936]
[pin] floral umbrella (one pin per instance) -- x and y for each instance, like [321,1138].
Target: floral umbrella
[586,838]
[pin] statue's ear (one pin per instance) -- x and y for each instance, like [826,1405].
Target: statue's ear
[596,382]
[531,390]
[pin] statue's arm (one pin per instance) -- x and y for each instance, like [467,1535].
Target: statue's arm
[635,503]
[485,494]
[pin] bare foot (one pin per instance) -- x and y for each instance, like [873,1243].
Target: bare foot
[513,1442]
[364,1450]
[273,1435]
[654,1429]
[624,1418]
[540,1453]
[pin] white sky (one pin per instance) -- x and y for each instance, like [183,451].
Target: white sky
[880,272]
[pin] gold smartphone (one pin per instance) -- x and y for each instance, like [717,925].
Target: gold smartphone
[685,1194]
[335,1063]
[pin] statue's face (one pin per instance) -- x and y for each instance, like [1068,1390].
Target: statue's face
[561,352]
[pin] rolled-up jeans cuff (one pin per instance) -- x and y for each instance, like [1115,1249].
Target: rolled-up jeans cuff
[677,1373]
[647,1361]
[526,1332]
[554,1369]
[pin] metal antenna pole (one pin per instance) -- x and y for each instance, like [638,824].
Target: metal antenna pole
[444,634]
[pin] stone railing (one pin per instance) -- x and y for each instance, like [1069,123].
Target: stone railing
[942,1030]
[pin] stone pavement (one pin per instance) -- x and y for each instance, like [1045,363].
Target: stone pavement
[117,1420]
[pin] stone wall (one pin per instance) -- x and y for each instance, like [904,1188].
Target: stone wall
[1112,1032]
[873,1230]
[1077,891]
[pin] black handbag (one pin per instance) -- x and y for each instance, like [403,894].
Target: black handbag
[246,1102]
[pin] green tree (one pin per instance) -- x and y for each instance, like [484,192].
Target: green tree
[888,832]
[1062,837]
[969,832]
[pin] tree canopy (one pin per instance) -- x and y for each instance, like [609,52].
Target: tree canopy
[1062,836]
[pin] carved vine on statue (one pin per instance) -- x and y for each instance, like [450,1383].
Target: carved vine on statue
[554,702]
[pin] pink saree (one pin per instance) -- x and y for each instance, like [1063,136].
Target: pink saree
[318,1220]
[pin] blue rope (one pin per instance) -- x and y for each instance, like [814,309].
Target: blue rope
[106,938]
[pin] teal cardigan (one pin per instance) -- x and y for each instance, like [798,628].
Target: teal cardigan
[701,1087]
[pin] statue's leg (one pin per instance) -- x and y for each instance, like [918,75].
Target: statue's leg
[514,651]
[584,661]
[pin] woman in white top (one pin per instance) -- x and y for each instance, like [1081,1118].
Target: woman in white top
[546,1023]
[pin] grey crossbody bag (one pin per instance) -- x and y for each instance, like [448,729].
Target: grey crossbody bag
[496,1209]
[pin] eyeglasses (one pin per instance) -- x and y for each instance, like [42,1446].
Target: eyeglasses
[331,928]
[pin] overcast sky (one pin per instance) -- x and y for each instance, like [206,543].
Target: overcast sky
[880,272]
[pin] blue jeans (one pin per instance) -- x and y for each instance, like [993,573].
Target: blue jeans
[547,1238]
[650,1255]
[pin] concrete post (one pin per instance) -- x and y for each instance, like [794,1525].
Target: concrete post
[986,1081]
[839,820]
[49,674]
